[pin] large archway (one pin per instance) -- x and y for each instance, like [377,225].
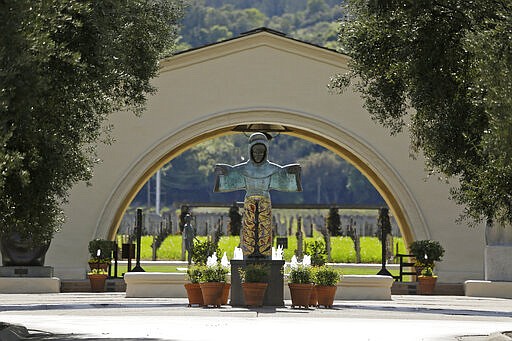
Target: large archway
[374,167]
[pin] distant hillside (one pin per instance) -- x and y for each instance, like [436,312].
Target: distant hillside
[209,21]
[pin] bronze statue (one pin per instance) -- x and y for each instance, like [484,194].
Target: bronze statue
[257,177]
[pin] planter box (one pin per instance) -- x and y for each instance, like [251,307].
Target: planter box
[364,287]
[155,284]
[160,284]
[475,288]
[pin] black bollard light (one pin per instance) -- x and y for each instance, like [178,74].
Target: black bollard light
[116,257]
[138,231]
[385,228]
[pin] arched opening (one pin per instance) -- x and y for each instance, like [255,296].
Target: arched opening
[344,144]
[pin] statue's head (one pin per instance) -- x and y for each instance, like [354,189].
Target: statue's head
[187,218]
[258,148]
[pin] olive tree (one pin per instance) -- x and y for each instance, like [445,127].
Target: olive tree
[443,69]
[65,65]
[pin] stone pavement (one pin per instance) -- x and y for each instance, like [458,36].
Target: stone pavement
[112,316]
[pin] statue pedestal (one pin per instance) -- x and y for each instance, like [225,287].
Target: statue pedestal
[498,270]
[29,285]
[498,260]
[274,295]
[28,280]
[498,274]
[26,271]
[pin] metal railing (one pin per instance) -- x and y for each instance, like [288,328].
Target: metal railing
[406,262]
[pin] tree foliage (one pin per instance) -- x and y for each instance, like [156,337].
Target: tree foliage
[209,21]
[235,220]
[334,222]
[444,69]
[427,252]
[64,66]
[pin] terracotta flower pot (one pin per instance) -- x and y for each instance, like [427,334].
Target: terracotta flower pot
[195,296]
[254,293]
[97,282]
[313,301]
[225,294]
[212,293]
[426,284]
[300,294]
[325,295]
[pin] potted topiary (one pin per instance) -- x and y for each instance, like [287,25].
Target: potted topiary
[254,279]
[212,283]
[193,288]
[202,250]
[326,279]
[100,251]
[300,283]
[426,253]
[318,253]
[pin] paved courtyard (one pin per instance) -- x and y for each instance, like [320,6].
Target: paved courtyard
[111,316]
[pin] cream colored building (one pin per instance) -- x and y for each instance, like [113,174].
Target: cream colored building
[261,77]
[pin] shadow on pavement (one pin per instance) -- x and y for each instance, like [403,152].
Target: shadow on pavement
[13,332]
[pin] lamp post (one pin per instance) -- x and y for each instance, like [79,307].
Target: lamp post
[138,230]
[385,228]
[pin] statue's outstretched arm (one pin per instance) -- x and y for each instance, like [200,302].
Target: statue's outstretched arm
[293,168]
[288,179]
[222,169]
[228,178]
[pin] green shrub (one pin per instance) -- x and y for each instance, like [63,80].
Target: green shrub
[254,273]
[300,274]
[105,246]
[326,276]
[202,250]
[427,252]
[317,251]
[195,273]
[214,273]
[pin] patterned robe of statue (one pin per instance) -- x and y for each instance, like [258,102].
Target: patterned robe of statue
[257,177]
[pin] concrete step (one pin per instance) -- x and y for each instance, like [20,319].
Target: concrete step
[398,288]
[441,289]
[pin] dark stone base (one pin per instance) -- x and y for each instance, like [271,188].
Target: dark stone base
[26,271]
[274,296]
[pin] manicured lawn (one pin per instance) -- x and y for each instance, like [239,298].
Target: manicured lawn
[342,248]
[164,268]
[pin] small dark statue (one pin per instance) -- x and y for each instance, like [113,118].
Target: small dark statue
[188,235]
